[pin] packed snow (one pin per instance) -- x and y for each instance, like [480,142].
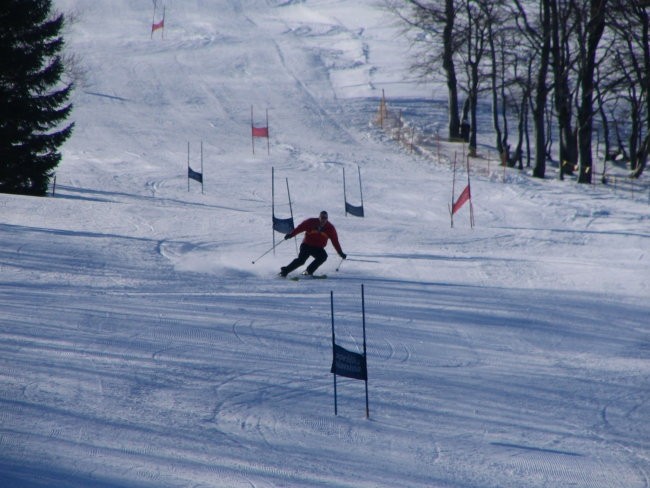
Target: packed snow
[141,347]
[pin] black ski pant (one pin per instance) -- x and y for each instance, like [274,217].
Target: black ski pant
[318,253]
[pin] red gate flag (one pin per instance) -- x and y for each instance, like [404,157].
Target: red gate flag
[464,196]
[260,132]
[159,25]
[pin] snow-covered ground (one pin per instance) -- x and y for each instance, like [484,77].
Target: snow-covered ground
[140,347]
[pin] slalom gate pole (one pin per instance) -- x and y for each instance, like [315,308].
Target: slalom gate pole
[272,201]
[272,248]
[153,18]
[252,136]
[333,350]
[453,188]
[345,198]
[268,136]
[365,354]
[360,189]
[471,207]
[291,211]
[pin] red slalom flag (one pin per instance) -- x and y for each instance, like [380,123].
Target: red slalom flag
[159,25]
[260,132]
[464,196]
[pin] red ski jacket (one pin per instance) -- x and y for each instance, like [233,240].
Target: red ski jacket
[317,235]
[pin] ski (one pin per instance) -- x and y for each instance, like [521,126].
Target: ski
[304,276]
[307,277]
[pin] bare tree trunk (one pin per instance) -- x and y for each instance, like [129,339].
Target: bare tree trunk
[541,94]
[594,30]
[645,42]
[488,10]
[450,70]
[433,19]
[475,49]
[562,91]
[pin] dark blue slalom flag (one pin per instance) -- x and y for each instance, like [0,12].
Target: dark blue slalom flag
[194,175]
[283,225]
[356,210]
[353,210]
[349,364]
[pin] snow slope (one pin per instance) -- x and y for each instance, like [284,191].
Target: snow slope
[140,347]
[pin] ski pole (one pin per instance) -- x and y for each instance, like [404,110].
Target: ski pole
[357,260]
[362,260]
[273,247]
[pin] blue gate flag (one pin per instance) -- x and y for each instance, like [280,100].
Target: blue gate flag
[349,364]
[194,175]
[353,210]
[283,225]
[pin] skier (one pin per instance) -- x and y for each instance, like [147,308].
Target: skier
[317,232]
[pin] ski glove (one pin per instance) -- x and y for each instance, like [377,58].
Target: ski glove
[287,236]
[343,255]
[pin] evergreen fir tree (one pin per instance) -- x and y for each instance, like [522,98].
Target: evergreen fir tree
[33,97]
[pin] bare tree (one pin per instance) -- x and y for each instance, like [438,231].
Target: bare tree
[475,48]
[449,48]
[561,48]
[496,31]
[520,90]
[538,34]
[558,73]
[630,62]
[436,41]
[591,25]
